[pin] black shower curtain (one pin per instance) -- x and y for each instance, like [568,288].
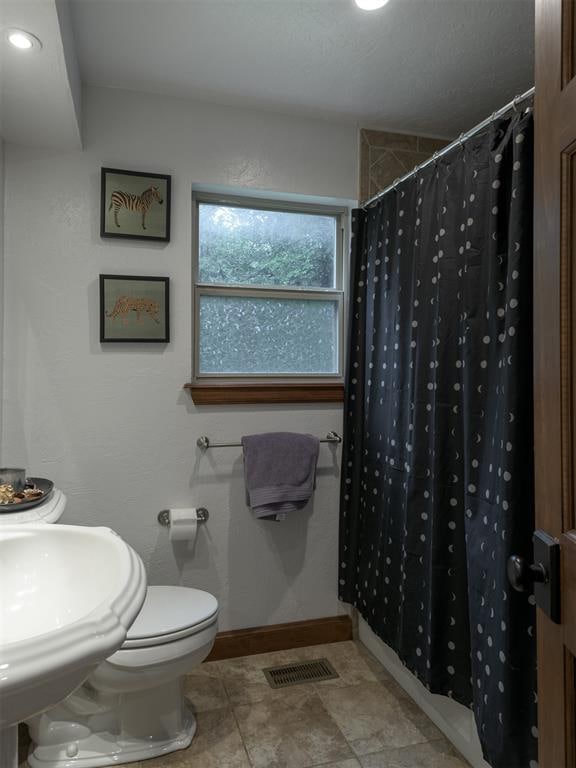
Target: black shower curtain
[437,481]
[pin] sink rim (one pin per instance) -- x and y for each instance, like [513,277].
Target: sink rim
[87,640]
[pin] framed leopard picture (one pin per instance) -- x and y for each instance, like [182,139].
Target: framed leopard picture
[134,308]
[135,205]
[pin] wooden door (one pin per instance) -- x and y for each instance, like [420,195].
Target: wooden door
[555,384]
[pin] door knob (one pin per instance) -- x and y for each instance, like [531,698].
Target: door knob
[543,575]
[522,575]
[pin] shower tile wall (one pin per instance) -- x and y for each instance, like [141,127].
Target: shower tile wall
[386,156]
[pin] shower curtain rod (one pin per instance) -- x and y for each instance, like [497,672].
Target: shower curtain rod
[462,138]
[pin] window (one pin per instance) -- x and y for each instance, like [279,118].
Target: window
[268,298]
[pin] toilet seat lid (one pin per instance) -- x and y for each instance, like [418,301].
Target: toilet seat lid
[170,610]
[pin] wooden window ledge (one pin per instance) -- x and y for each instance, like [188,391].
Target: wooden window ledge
[250,393]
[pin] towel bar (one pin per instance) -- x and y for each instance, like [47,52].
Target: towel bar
[205,443]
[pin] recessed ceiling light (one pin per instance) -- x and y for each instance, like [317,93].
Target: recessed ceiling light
[22,40]
[370,5]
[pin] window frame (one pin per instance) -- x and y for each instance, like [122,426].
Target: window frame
[341,215]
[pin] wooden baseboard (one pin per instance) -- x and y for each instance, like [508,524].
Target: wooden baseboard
[280,637]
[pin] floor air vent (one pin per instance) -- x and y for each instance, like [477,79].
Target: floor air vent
[303,672]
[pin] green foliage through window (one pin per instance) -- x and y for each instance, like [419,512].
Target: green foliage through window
[269,289]
[258,247]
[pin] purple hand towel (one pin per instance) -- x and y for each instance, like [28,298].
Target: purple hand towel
[279,472]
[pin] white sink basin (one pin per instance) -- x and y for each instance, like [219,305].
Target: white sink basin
[68,595]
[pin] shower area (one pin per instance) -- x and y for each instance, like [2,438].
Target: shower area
[437,469]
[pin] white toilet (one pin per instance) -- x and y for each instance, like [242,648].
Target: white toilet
[132,707]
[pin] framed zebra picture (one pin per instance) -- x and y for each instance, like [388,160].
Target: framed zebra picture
[134,308]
[135,205]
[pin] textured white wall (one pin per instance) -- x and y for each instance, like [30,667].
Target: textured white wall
[1,290]
[111,424]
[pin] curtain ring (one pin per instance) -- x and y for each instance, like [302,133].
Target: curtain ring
[395,183]
[435,158]
[461,140]
[493,117]
[515,101]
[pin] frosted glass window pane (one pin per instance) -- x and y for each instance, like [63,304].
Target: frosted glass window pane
[256,247]
[262,335]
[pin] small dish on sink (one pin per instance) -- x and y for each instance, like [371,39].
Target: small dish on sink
[41,484]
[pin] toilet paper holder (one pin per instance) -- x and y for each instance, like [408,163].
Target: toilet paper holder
[164,516]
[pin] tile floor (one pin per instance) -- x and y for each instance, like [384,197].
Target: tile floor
[363,719]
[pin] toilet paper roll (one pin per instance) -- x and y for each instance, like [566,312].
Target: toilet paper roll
[183,524]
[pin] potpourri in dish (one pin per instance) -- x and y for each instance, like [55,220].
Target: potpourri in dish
[9,496]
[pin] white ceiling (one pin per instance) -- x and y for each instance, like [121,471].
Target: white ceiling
[432,67]
[39,92]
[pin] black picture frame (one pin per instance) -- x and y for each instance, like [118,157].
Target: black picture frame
[112,310]
[107,209]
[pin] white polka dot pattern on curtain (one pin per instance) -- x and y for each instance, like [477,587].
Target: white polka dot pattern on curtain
[437,482]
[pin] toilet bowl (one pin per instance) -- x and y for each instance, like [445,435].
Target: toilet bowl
[132,707]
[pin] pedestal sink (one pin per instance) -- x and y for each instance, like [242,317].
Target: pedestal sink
[68,595]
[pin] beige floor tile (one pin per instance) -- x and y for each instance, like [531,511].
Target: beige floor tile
[217,744]
[436,754]
[372,718]
[380,672]
[351,763]
[346,659]
[245,682]
[249,668]
[204,691]
[420,719]
[396,689]
[294,731]
[209,668]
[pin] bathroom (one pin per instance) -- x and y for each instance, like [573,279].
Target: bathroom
[306,105]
